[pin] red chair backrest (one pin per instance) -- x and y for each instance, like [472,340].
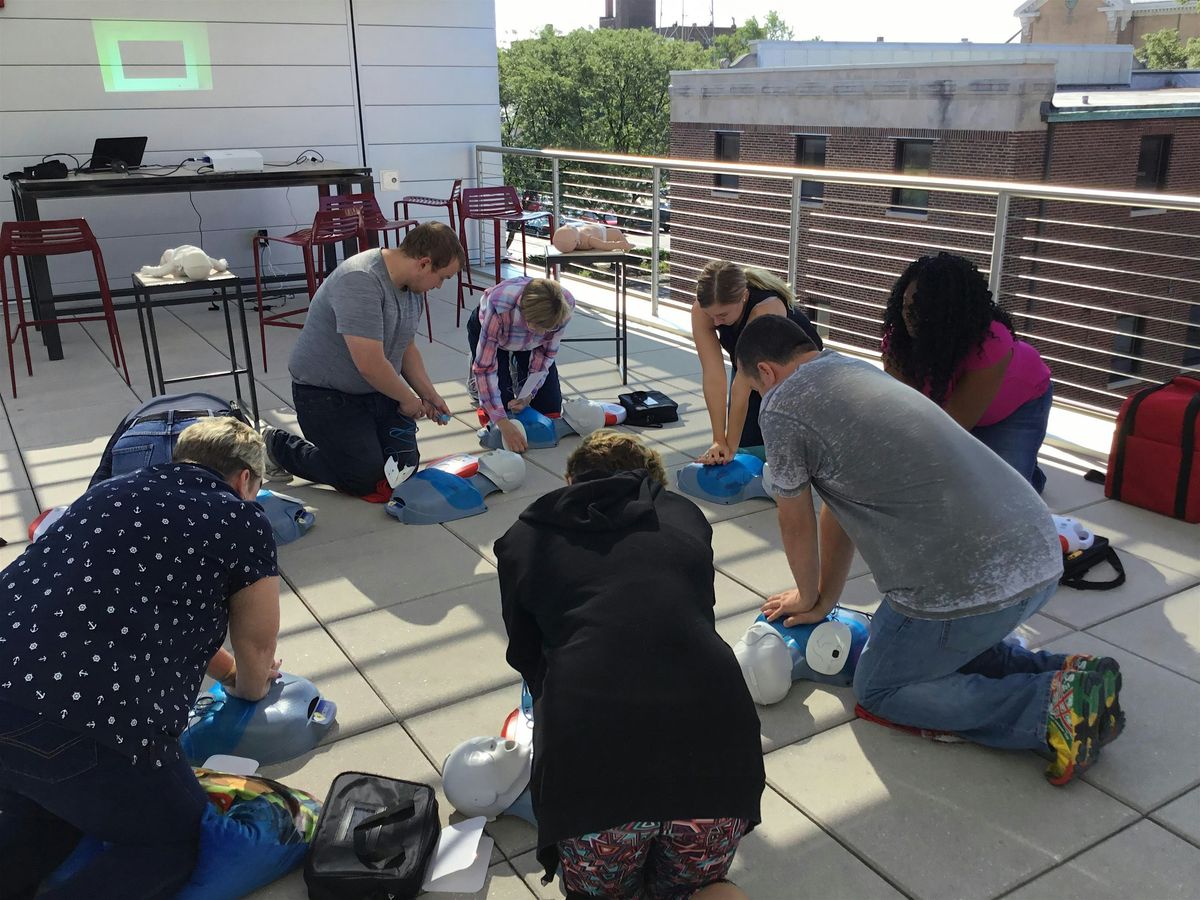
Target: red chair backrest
[333,225]
[363,203]
[49,237]
[489,203]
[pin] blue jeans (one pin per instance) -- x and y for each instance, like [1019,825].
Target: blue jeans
[547,400]
[960,675]
[56,785]
[1017,438]
[347,439]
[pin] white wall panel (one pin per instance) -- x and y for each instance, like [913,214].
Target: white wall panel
[328,11]
[429,124]
[421,46]
[447,13]
[441,86]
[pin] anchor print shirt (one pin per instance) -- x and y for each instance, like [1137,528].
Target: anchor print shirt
[109,620]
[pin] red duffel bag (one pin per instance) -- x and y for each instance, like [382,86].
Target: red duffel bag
[1155,458]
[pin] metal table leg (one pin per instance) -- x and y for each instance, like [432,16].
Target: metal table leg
[157,386]
[246,348]
[137,306]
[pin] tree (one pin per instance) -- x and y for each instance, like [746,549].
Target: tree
[1163,50]
[731,46]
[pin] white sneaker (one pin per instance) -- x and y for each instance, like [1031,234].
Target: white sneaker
[273,470]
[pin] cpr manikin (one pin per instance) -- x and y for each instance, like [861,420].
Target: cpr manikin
[580,417]
[772,655]
[455,487]
[742,478]
[489,776]
[185,262]
[588,236]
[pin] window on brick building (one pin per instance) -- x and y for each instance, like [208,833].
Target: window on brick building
[728,149]
[1152,162]
[810,154]
[912,158]
[1126,344]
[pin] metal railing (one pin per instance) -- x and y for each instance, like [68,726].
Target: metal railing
[1106,284]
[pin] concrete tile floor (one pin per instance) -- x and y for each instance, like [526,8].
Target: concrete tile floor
[401,625]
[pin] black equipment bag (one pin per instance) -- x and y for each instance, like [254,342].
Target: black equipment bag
[373,840]
[1078,563]
[649,408]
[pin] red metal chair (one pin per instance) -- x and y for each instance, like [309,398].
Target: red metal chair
[52,238]
[372,215]
[450,203]
[497,204]
[330,226]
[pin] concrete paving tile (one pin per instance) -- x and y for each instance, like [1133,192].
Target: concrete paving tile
[531,871]
[672,361]
[1182,816]
[734,598]
[17,510]
[372,571]
[1167,632]
[64,462]
[7,439]
[61,493]
[440,731]
[1151,536]
[429,652]
[900,801]
[808,708]
[1154,760]
[1145,582]
[312,653]
[71,425]
[1066,489]
[749,550]
[1142,861]
[812,857]
[13,476]
[1037,630]
[479,533]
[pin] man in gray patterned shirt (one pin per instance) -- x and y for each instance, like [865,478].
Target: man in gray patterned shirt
[960,545]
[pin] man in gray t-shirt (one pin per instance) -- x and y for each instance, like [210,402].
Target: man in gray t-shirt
[960,545]
[358,380]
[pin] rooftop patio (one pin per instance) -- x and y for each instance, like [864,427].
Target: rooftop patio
[401,626]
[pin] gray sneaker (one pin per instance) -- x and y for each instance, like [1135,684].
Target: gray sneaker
[274,471]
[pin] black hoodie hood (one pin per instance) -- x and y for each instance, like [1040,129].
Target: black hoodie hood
[597,502]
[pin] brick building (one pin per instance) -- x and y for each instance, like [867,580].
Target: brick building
[1110,22]
[1109,295]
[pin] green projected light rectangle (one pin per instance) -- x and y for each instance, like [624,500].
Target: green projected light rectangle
[192,38]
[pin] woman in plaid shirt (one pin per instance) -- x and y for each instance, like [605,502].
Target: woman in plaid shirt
[525,317]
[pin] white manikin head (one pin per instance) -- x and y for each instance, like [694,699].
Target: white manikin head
[566,238]
[584,416]
[766,663]
[503,468]
[196,264]
[484,775]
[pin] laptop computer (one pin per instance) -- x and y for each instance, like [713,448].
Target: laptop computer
[124,150]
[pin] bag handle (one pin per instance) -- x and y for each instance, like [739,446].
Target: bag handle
[381,858]
[1081,584]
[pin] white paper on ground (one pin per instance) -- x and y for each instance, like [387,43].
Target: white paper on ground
[232,765]
[456,859]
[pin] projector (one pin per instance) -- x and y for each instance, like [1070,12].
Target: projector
[235,160]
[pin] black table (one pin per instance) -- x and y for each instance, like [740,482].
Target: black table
[619,259]
[27,194]
[150,291]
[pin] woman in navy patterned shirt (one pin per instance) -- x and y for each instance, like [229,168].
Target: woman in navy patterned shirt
[107,624]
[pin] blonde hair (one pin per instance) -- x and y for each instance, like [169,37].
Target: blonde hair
[608,452]
[543,305]
[723,282]
[222,443]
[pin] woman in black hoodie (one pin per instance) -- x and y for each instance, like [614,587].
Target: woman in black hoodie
[646,754]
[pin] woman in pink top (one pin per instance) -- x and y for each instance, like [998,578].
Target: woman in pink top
[943,334]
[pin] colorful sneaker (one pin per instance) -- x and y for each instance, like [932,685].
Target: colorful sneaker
[1073,723]
[1112,719]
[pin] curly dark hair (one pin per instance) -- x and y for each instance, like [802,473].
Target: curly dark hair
[953,311]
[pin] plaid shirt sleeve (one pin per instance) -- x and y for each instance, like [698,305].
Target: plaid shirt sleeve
[495,326]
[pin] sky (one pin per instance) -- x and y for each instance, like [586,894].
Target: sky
[983,21]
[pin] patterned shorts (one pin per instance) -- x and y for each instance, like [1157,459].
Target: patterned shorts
[665,859]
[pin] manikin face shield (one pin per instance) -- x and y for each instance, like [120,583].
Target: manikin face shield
[482,776]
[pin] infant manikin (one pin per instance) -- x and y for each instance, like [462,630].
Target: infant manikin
[588,236]
[185,262]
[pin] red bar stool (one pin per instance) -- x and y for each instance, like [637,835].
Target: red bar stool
[450,202]
[330,226]
[497,204]
[372,215]
[52,238]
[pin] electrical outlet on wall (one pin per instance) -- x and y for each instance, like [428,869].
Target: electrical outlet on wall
[389,179]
